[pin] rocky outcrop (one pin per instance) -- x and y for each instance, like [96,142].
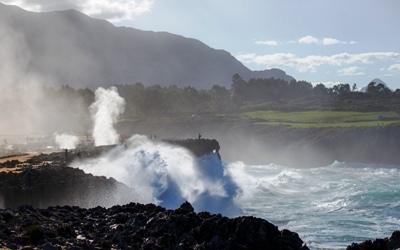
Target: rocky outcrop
[198,147]
[50,185]
[56,218]
[379,244]
[137,226]
[45,180]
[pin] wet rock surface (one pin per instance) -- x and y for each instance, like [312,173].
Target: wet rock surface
[137,226]
[378,244]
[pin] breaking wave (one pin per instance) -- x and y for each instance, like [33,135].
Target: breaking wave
[168,175]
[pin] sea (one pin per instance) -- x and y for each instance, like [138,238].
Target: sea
[328,206]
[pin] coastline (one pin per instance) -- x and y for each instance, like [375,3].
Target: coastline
[76,177]
[292,147]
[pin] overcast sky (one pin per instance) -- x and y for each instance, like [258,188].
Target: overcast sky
[328,41]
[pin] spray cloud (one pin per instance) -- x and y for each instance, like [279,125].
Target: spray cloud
[168,175]
[106,109]
[67,141]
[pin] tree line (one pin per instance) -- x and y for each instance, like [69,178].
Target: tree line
[171,100]
[155,100]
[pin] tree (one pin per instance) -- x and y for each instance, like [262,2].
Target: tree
[380,88]
[320,89]
[237,81]
[154,100]
[341,88]
[300,89]
[221,97]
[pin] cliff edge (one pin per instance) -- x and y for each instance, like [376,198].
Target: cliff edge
[198,147]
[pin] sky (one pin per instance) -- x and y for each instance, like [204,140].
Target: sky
[319,41]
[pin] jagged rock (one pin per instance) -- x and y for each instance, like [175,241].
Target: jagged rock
[138,226]
[378,244]
[66,224]
[185,208]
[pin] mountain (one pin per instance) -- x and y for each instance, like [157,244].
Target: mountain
[68,47]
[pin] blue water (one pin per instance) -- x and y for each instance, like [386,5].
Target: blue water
[329,207]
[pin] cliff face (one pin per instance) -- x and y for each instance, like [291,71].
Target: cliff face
[51,185]
[296,147]
[46,180]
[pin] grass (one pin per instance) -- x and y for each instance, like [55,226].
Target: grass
[317,119]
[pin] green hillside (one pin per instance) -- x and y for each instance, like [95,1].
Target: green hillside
[309,119]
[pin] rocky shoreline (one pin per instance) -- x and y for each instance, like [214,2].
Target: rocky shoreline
[137,226]
[378,244]
[69,209]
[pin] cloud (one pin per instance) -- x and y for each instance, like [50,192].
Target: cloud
[308,40]
[111,10]
[394,68]
[328,84]
[313,62]
[330,41]
[324,41]
[351,71]
[271,43]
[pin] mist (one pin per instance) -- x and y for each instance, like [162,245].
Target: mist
[32,103]
[66,141]
[168,175]
[105,111]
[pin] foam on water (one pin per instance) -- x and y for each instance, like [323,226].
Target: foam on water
[330,207]
[168,175]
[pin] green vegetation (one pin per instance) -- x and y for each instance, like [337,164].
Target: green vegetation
[260,101]
[319,119]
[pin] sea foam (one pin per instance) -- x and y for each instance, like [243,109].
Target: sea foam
[168,175]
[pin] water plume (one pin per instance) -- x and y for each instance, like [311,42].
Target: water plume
[105,111]
[168,175]
[66,141]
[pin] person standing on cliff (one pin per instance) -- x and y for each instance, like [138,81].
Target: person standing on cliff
[199,136]
[66,154]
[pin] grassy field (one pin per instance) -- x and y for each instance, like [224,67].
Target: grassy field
[318,119]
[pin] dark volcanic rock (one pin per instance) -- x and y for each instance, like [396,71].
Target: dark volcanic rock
[51,185]
[48,184]
[379,244]
[198,147]
[137,226]
[47,181]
